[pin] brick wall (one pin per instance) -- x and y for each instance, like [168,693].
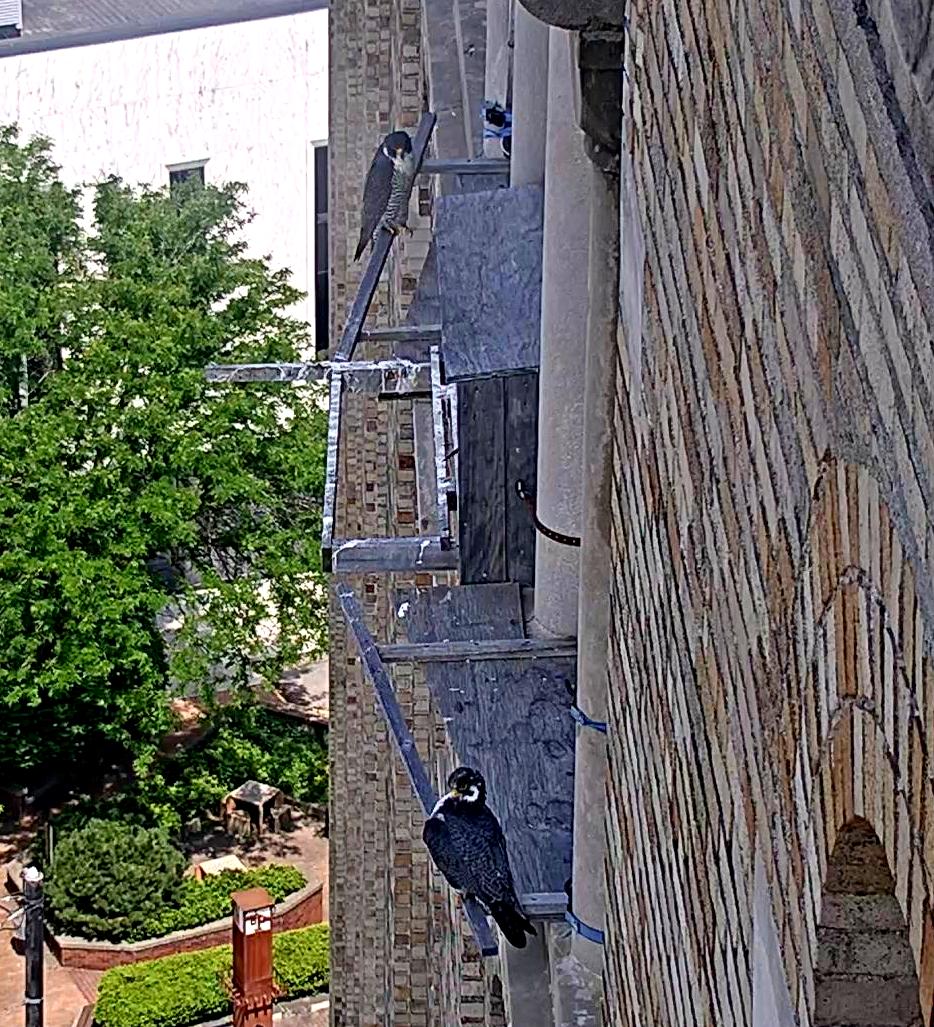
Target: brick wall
[774,467]
[302,909]
[399,954]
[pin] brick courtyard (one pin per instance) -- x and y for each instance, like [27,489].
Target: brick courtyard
[68,991]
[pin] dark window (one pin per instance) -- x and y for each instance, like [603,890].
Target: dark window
[178,176]
[321,248]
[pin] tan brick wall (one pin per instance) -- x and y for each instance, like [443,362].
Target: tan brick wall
[399,951]
[774,468]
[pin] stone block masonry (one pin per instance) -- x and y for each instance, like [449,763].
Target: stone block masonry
[773,608]
[399,954]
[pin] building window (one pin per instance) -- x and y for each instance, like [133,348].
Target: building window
[321,247]
[189,171]
[11,19]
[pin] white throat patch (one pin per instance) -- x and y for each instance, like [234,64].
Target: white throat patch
[397,161]
[471,795]
[437,808]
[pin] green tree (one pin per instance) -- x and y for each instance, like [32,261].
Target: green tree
[40,264]
[109,879]
[130,486]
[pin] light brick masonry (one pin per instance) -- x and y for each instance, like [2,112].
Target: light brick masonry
[400,951]
[774,472]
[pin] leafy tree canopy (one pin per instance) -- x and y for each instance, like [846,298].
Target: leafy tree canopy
[131,489]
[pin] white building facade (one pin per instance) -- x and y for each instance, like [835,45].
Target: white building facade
[246,101]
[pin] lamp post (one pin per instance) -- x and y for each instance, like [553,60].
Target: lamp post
[254,990]
[34,945]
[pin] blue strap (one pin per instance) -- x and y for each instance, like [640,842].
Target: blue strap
[578,714]
[584,930]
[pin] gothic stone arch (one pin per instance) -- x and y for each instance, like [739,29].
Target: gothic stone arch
[865,967]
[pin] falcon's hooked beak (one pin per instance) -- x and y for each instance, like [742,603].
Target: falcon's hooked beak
[400,152]
[454,793]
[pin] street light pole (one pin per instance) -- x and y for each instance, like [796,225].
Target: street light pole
[35,945]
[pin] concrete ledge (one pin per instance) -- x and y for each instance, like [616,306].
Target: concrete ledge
[301,909]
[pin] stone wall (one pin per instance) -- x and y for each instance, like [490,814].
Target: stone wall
[774,468]
[398,949]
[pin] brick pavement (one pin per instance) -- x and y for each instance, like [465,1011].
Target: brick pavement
[66,991]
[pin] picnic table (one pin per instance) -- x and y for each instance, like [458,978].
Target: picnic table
[252,796]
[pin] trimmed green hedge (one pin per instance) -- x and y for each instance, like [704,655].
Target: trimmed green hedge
[182,990]
[200,902]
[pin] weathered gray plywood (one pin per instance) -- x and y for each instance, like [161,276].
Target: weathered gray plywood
[510,720]
[490,281]
[520,398]
[497,437]
[481,480]
[481,614]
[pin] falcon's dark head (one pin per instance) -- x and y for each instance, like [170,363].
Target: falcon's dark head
[467,785]
[397,144]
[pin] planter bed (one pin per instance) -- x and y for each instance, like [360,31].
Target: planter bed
[300,909]
[190,989]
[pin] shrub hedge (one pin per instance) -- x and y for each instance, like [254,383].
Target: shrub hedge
[109,879]
[82,907]
[178,991]
[200,902]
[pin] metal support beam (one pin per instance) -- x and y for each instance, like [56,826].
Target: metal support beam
[402,333]
[378,257]
[383,377]
[443,483]
[377,555]
[306,371]
[467,166]
[330,472]
[494,649]
[405,743]
[544,905]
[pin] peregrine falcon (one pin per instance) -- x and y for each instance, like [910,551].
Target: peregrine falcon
[387,188]
[468,847]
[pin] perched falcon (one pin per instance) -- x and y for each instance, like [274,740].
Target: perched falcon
[386,193]
[468,847]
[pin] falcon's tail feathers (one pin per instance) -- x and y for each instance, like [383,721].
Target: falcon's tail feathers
[361,246]
[512,922]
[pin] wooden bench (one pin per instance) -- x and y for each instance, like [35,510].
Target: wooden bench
[86,1017]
